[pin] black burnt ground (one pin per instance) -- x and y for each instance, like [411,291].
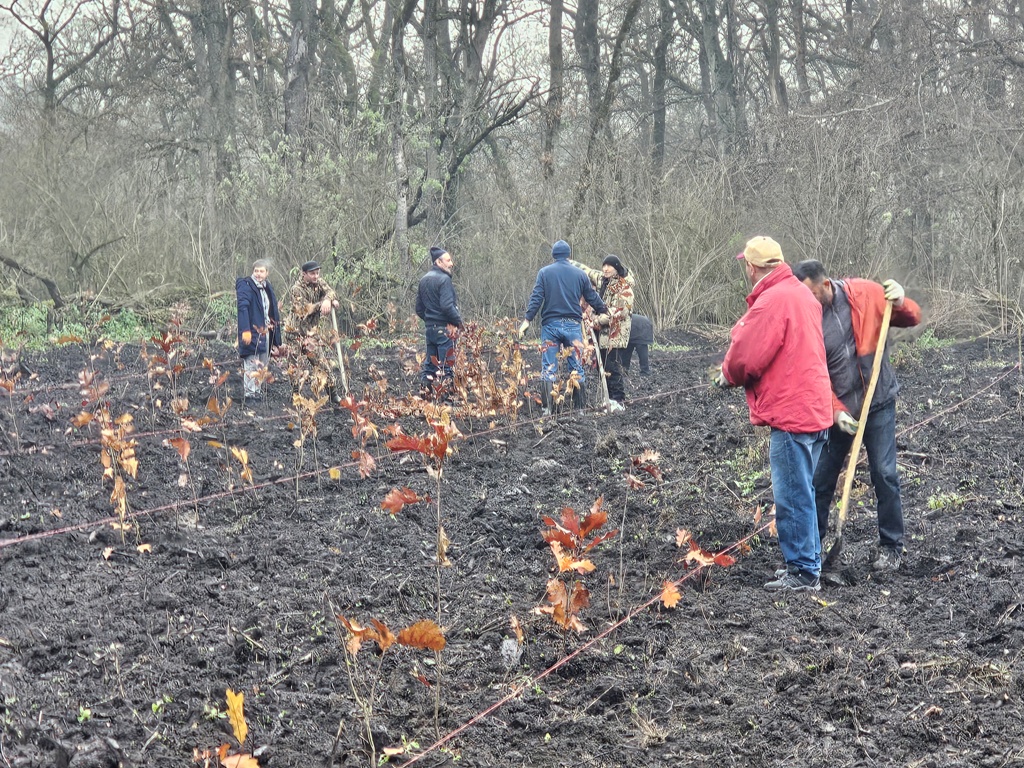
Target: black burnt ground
[127,657]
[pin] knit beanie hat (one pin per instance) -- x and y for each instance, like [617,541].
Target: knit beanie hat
[436,253]
[616,262]
[560,250]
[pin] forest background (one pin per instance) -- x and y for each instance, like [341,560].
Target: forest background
[152,149]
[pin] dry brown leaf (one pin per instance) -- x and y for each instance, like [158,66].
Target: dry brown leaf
[423,634]
[81,419]
[698,556]
[443,542]
[517,627]
[385,637]
[683,536]
[181,445]
[239,761]
[397,498]
[567,563]
[144,548]
[108,552]
[670,594]
[357,634]
[334,473]
[236,715]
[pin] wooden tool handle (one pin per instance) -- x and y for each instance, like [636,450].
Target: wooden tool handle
[858,439]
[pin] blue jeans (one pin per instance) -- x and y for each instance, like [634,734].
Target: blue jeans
[792,457]
[880,443]
[440,355]
[555,334]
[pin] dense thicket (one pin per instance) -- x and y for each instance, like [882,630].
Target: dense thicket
[151,149]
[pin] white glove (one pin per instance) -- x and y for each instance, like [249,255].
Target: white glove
[847,423]
[522,327]
[894,292]
[718,378]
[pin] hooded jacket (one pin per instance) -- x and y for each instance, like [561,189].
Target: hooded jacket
[556,294]
[778,356]
[251,317]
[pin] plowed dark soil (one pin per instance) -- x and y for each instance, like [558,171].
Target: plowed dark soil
[112,655]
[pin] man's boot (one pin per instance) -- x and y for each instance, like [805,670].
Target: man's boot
[545,397]
[334,396]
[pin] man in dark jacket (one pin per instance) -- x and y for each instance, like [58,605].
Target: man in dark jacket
[437,307]
[641,336]
[259,325]
[851,320]
[556,295]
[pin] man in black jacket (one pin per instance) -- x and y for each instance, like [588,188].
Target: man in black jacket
[259,325]
[438,308]
[641,336]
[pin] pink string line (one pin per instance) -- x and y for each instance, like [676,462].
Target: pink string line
[518,690]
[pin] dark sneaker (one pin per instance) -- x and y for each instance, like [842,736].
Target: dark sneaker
[888,559]
[794,582]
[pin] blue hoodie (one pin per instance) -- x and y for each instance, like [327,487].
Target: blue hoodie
[559,288]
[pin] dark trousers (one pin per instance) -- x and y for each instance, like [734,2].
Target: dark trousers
[880,443]
[440,356]
[641,354]
[611,359]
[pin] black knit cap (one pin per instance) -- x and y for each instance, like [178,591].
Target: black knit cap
[616,262]
[311,266]
[436,252]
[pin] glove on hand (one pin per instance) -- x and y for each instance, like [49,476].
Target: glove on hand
[247,337]
[522,328]
[894,292]
[847,423]
[718,378]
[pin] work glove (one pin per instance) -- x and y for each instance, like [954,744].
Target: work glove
[522,327]
[718,378]
[847,423]
[894,292]
[247,337]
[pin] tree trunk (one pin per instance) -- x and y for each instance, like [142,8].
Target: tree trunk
[665,29]
[588,47]
[397,102]
[556,74]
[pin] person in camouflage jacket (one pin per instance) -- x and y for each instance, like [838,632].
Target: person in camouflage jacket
[615,286]
[309,343]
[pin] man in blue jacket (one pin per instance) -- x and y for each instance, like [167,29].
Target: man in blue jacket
[259,325]
[437,307]
[556,295]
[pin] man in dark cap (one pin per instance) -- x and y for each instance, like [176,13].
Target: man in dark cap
[438,307]
[556,295]
[310,344]
[614,285]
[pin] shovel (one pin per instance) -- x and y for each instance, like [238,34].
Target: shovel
[833,552]
[337,348]
[600,367]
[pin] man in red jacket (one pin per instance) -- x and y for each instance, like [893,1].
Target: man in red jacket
[851,321]
[777,355]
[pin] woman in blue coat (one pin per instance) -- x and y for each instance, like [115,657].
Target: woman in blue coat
[259,325]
